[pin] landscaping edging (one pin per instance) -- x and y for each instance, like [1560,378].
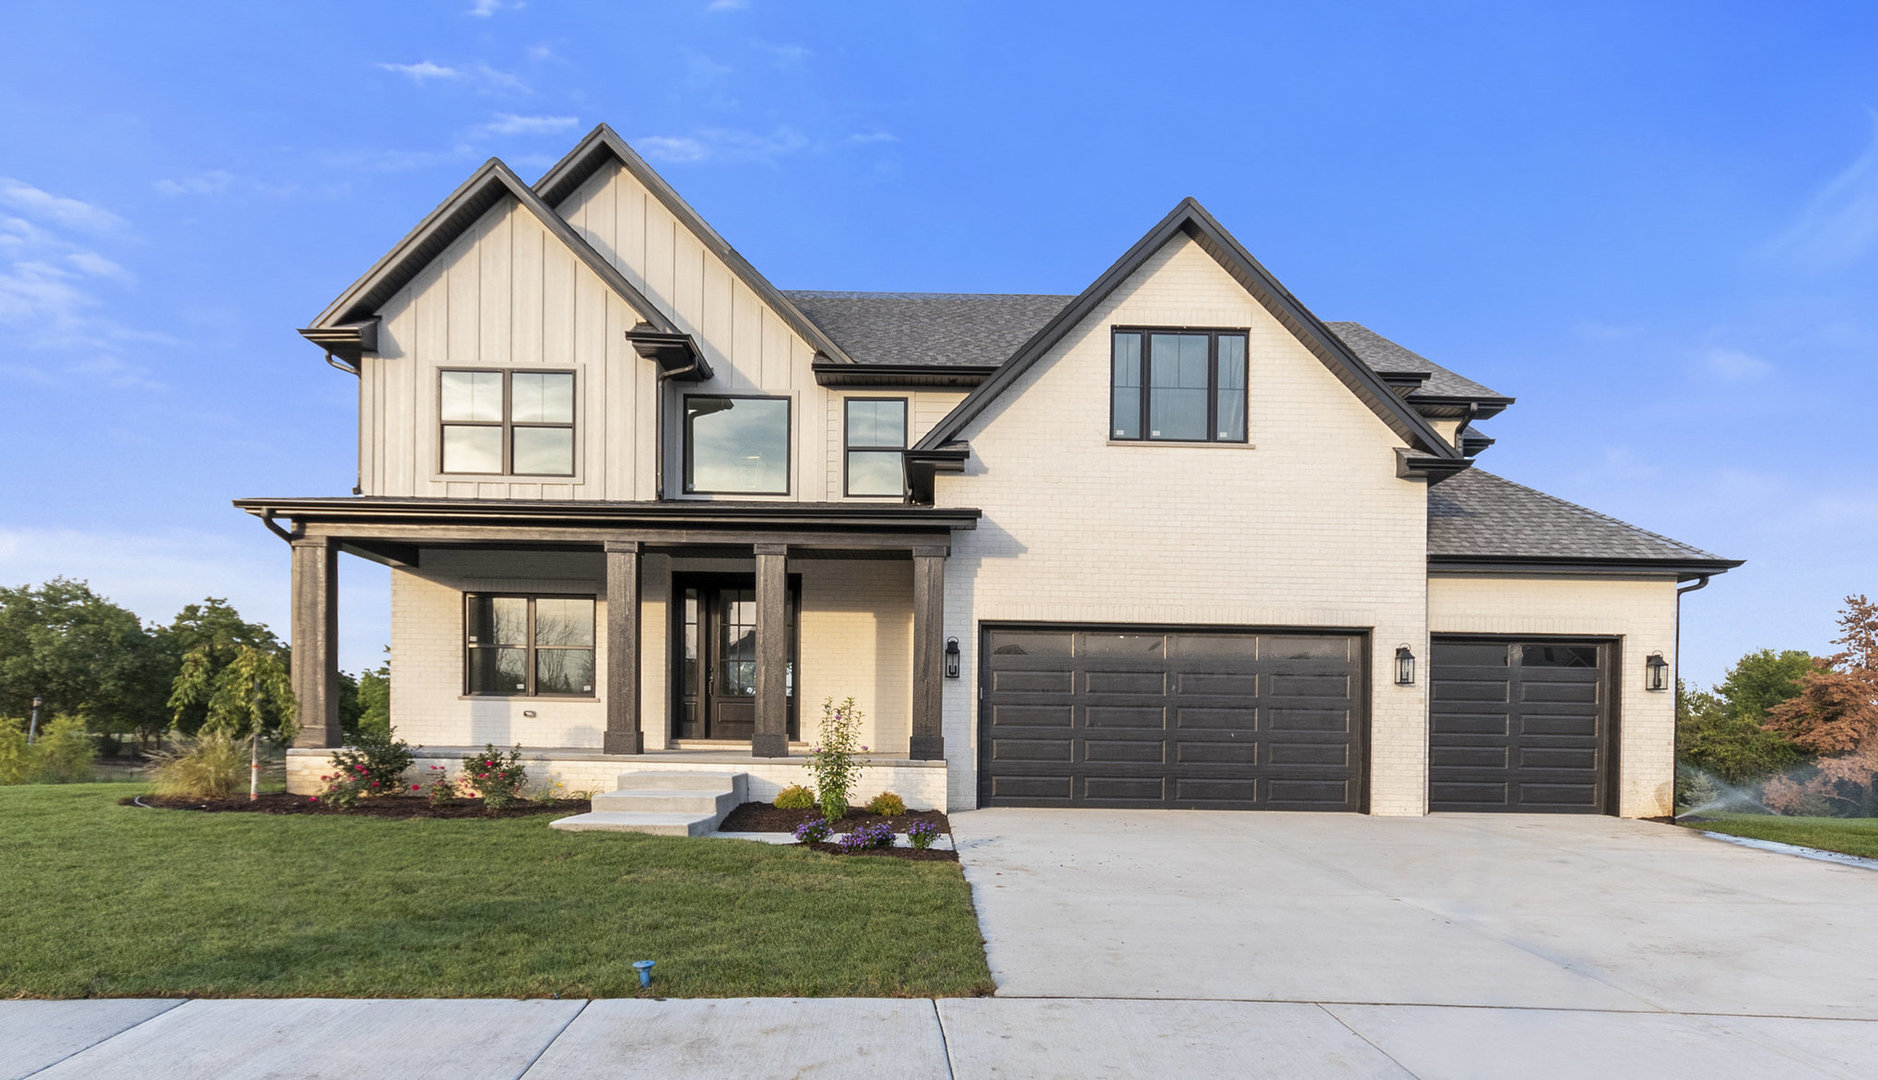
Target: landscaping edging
[767,818]
[397,806]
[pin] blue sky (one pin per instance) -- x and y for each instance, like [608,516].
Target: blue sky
[1654,224]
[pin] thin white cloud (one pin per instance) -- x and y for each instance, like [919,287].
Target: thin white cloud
[540,52]
[724,145]
[423,71]
[511,124]
[1735,366]
[785,52]
[95,265]
[212,182]
[57,209]
[862,138]
[721,6]
[483,9]
[1840,224]
[478,74]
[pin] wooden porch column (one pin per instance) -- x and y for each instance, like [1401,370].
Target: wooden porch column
[623,734]
[772,652]
[314,662]
[929,599]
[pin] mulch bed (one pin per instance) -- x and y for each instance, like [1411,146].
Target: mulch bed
[388,807]
[766,817]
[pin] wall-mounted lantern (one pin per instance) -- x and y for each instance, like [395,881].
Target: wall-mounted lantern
[1656,672]
[1404,666]
[952,658]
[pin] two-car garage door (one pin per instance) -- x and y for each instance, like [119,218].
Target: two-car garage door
[1127,717]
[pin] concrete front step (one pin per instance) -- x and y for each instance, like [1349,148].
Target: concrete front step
[682,780]
[720,801]
[640,821]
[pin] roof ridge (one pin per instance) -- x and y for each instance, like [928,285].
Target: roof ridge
[1587,511]
[860,294]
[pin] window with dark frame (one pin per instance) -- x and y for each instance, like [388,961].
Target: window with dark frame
[1177,385]
[876,446]
[528,646]
[736,445]
[506,423]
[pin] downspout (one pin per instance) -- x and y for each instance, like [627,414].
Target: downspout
[358,482]
[1676,705]
[658,425]
[267,519]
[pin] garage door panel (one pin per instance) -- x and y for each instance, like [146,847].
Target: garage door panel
[1543,745]
[1209,720]
[1030,750]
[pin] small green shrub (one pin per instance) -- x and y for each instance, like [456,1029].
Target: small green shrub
[65,753]
[794,797]
[887,804]
[496,776]
[212,765]
[440,789]
[378,766]
[836,761]
[15,764]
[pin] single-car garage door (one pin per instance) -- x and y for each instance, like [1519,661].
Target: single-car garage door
[1522,726]
[1125,717]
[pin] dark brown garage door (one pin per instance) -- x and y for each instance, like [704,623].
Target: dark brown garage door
[1520,726]
[1197,720]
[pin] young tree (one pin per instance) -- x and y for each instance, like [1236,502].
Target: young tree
[245,698]
[373,721]
[1723,732]
[217,633]
[1836,716]
[82,654]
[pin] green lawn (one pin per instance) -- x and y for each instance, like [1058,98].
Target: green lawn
[101,900]
[1853,836]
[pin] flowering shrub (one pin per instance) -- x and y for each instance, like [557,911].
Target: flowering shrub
[382,762]
[812,831]
[836,762]
[440,789]
[498,777]
[921,834]
[887,804]
[794,797]
[866,837]
[345,788]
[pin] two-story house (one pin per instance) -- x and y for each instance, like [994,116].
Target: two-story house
[1169,542]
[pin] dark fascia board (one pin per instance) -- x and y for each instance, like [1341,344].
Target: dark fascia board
[1683,569]
[828,373]
[923,465]
[1473,442]
[1434,468]
[589,513]
[677,355]
[349,342]
[485,188]
[602,144]
[1447,408]
[1192,219]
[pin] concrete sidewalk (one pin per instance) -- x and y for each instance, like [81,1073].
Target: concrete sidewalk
[962,1038]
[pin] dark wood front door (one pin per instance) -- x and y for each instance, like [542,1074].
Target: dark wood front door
[715,646]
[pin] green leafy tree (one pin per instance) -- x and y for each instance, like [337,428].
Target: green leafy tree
[372,721]
[82,654]
[1723,732]
[216,634]
[249,696]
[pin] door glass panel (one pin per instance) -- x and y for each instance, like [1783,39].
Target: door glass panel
[542,398]
[564,671]
[1125,388]
[691,643]
[1029,643]
[736,675]
[472,449]
[471,395]
[1230,406]
[1469,654]
[1177,387]
[1572,656]
[564,622]
[1122,644]
[499,671]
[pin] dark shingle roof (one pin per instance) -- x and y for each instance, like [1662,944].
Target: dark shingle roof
[1480,515]
[1382,354]
[964,329]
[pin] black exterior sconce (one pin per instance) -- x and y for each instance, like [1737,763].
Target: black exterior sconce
[1656,672]
[1404,666]
[952,658]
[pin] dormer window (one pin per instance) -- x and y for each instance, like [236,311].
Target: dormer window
[1178,385]
[506,423]
[736,445]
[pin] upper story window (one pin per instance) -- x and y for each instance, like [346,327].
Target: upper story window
[517,423]
[736,445]
[1178,385]
[529,646]
[876,439]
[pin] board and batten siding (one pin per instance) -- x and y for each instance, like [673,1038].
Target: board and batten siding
[509,294]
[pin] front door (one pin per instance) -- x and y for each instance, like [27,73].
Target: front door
[716,652]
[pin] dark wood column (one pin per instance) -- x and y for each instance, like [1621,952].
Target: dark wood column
[772,652]
[929,602]
[623,734]
[315,641]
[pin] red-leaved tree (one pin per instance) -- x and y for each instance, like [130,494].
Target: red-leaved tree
[1836,716]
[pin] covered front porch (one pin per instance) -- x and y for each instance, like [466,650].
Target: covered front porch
[601,637]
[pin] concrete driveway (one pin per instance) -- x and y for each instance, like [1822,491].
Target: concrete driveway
[1457,944]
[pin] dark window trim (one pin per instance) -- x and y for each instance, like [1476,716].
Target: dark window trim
[848,446]
[1212,381]
[531,648]
[508,424]
[789,439]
